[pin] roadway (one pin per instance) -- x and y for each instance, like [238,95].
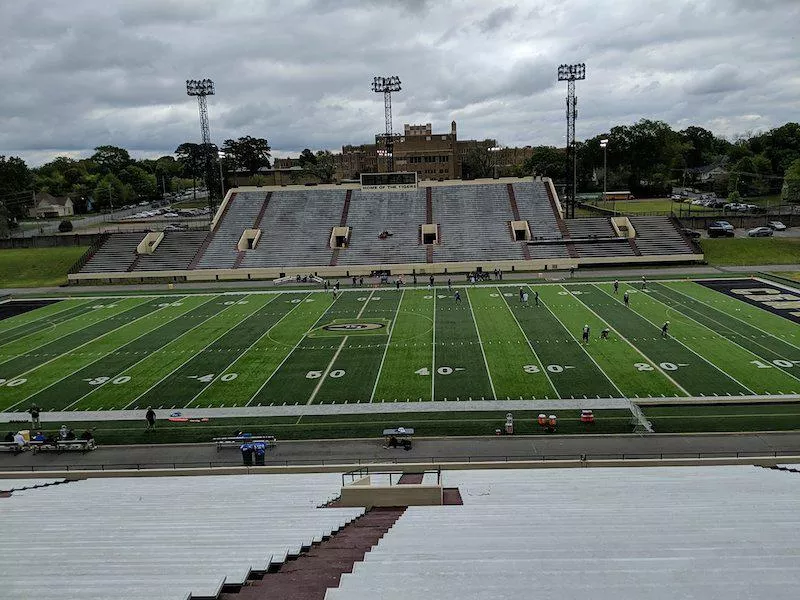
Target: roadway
[453,449]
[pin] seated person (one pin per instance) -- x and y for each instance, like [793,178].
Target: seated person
[87,435]
[9,437]
[39,437]
[70,435]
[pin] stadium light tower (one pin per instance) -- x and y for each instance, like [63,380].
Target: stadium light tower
[571,74]
[202,88]
[604,146]
[385,86]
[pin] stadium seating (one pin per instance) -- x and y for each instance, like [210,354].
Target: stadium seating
[658,235]
[159,538]
[590,227]
[474,223]
[400,213]
[606,534]
[240,215]
[174,253]
[535,208]
[115,255]
[296,229]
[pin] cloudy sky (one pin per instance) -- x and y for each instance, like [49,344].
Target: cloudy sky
[83,73]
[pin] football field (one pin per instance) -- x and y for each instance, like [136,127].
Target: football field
[386,345]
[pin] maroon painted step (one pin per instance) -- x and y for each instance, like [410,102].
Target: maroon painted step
[132,266]
[634,247]
[512,200]
[410,478]
[342,223]
[562,227]
[260,216]
[206,242]
[429,220]
[309,576]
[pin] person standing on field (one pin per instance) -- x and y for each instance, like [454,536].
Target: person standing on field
[626,298]
[536,297]
[616,286]
[665,329]
[150,417]
[585,334]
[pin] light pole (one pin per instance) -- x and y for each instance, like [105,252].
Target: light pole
[494,150]
[571,74]
[604,146]
[385,86]
[201,89]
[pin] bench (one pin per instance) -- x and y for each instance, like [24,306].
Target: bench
[235,441]
[12,446]
[63,445]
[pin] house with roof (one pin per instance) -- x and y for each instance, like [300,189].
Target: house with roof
[48,206]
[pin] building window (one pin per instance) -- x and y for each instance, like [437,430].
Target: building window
[444,137]
[427,138]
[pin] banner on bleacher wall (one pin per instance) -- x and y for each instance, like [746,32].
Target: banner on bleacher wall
[387,182]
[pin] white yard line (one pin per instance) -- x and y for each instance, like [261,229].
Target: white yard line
[149,354]
[72,350]
[250,347]
[336,354]
[582,347]
[42,318]
[105,355]
[682,344]
[433,346]
[288,354]
[536,356]
[717,333]
[735,317]
[196,354]
[326,371]
[480,343]
[50,341]
[626,340]
[386,349]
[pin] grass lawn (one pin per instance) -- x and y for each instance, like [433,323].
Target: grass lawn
[752,251]
[795,276]
[730,417]
[199,203]
[36,267]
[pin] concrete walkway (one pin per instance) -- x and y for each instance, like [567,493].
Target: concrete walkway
[452,449]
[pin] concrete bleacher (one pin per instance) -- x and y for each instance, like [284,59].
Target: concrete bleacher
[473,223]
[296,228]
[534,206]
[159,538]
[658,235]
[607,534]
[590,227]
[174,253]
[115,255]
[548,251]
[241,213]
[11,485]
[603,249]
[400,213]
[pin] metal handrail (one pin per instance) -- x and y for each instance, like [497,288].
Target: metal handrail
[421,460]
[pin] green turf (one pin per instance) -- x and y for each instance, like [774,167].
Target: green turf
[37,267]
[729,417]
[262,349]
[752,251]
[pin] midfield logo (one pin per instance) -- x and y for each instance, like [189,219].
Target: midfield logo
[354,326]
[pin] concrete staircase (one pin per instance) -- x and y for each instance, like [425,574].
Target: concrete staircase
[309,576]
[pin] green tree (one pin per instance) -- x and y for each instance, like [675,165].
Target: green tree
[16,184]
[476,162]
[142,182]
[249,152]
[324,166]
[111,159]
[546,161]
[112,192]
[306,158]
[790,192]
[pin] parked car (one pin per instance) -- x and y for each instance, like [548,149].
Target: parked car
[776,226]
[695,235]
[760,232]
[720,229]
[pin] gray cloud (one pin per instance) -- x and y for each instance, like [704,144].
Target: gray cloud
[89,72]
